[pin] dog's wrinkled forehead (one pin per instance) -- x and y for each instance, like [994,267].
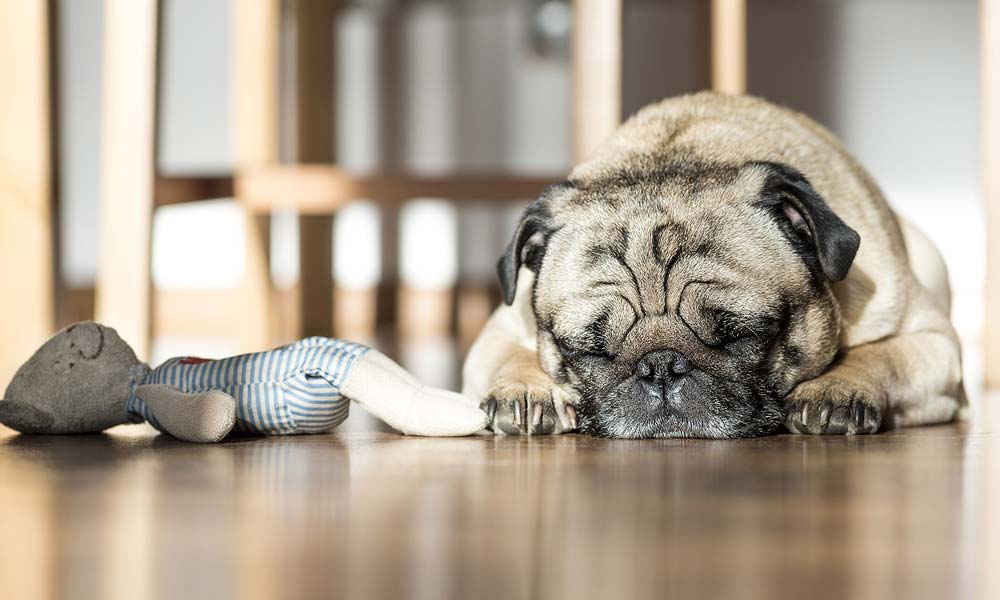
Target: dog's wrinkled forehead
[648,239]
[691,205]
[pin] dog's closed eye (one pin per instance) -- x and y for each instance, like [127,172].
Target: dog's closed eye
[581,348]
[731,327]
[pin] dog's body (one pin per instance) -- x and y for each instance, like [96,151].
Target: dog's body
[701,276]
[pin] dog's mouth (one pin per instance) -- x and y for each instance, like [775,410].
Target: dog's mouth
[711,413]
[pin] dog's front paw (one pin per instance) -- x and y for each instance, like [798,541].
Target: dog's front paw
[518,408]
[835,405]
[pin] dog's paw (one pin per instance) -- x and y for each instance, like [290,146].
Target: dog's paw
[530,409]
[836,406]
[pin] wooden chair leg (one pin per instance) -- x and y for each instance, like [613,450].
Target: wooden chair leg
[316,275]
[256,28]
[26,232]
[128,141]
[596,71]
[729,24]
[314,20]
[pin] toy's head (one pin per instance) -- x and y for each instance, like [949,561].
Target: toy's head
[77,382]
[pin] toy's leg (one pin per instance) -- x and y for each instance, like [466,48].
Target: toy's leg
[204,417]
[390,393]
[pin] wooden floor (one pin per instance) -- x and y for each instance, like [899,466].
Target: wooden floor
[369,514]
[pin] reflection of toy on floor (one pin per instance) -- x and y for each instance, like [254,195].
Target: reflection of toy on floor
[86,379]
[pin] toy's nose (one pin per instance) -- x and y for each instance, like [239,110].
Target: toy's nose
[87,339]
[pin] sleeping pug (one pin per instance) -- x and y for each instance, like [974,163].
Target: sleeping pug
[721,267]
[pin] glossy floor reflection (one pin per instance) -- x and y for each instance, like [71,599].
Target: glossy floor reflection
[370,514]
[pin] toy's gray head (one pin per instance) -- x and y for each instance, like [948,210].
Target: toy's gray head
[77,382]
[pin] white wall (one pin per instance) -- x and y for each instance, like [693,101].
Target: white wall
[897,81]
[194,87]
[79,64]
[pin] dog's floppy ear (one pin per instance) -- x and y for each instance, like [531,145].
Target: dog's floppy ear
[527,247]
[834,242]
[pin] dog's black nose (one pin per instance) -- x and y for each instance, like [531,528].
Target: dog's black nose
[662,365]
[658,375]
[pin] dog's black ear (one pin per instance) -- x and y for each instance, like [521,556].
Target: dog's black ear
[527,247]
[834,242]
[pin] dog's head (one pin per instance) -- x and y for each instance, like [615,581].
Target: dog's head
[683,302]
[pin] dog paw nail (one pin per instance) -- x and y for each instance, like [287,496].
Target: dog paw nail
[571,416]
[859,416]
[824,415]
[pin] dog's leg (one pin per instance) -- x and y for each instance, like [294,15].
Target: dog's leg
[926,262]
[503,372]
[913,378]
[523,399]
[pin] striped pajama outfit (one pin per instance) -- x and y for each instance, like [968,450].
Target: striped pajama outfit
[292,389]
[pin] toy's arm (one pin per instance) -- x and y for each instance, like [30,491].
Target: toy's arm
[394,395]
[203,417]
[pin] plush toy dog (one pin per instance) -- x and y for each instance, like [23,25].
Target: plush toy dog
[86,379]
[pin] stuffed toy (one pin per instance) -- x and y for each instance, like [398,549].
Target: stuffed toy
[87,379]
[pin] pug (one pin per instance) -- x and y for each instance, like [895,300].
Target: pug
[721,267]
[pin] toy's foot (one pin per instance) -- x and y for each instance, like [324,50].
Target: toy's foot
[205,417]
[437,412]
[390,393]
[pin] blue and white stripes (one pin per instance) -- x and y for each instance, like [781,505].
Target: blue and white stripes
[292,389]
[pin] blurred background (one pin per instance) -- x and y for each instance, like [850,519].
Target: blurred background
[214,176]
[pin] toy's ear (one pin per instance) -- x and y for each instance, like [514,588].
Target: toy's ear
[527,247]
[87,339]
[24,417]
